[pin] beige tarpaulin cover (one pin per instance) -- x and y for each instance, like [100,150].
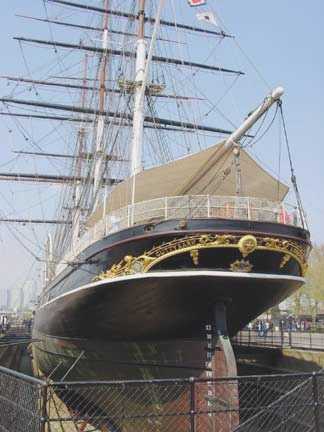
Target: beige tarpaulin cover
[210,171]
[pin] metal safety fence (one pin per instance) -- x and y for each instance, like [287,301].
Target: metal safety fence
[281,339]
[290,403]
[20,402]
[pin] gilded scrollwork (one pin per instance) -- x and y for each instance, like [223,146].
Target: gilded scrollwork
[284,260]
[241,266]
[194,253]
[246,244]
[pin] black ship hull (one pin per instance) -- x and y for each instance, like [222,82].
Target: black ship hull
[150,326]
[135,305]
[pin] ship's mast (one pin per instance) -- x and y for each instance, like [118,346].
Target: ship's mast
[142,70]
[99,156]
[138,119]
[76,219]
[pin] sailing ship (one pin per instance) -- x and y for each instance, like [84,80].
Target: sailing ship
[147,254]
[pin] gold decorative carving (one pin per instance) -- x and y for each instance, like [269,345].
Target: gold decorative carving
[247,245]
[194,253]
[193,243]
[284,260]
[241,266]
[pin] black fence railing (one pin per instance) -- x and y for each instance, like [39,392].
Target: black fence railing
[14,331]
[281,339]
[243,404]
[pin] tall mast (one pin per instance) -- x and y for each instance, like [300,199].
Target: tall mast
[138,119]
[76,219]
[99,157]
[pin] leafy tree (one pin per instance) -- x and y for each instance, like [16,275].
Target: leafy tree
[311,295]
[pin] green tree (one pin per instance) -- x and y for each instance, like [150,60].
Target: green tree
[308,299]
[314,287]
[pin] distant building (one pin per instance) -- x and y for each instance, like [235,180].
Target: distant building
[8,299]
[5,299]
[21,299]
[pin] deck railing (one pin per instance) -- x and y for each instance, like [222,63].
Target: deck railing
[184,207]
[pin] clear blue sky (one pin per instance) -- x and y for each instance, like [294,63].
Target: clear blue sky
[283,38]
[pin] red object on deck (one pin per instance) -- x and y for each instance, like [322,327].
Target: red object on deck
[197,2]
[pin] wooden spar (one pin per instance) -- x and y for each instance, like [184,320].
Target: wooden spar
[43,178]
[62,23]
[45,117]
[91,88]
[54,84]
[81,120]
[147,19]
[85,156]
[35,221]
[110,51]
[154,120]
[84,27]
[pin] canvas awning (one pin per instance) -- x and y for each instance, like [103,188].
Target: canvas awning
[210,171]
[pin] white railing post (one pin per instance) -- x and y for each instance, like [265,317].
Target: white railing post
[208,206]
[283,211]
[128,215]
[166,208]
[249,208]
[105,225]
[235,208]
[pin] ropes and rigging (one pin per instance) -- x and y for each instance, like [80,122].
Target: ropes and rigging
[178,97]
[292,170]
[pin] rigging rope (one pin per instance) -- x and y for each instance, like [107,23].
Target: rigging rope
[292,170]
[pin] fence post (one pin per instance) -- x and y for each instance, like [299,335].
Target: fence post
[315,401]
[289,336]
[310,340]
[282,335]
[192,405]
[249,341]
[43,407]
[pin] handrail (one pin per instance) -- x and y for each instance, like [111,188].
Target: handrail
[183,207]
[305,340]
